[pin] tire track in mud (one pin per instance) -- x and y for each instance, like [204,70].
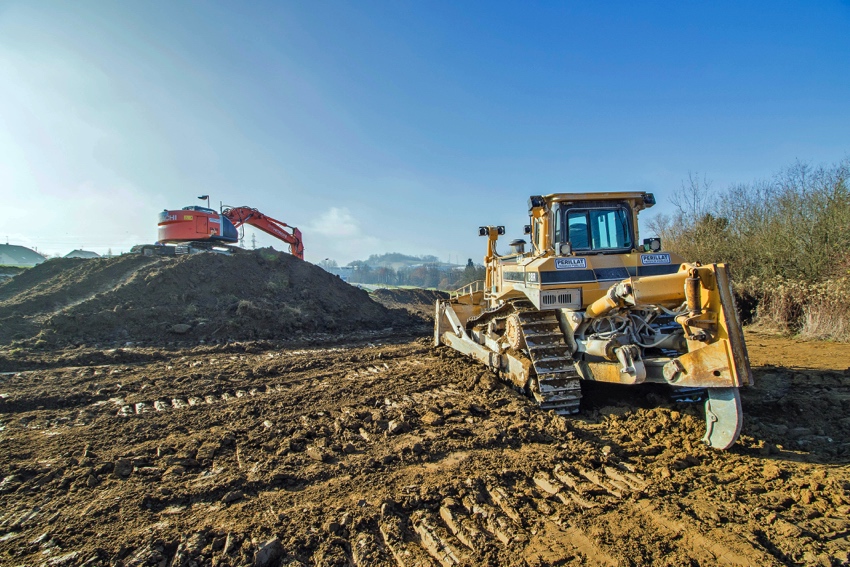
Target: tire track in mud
[544,531]
[291,369]
[407,458]
[289,386]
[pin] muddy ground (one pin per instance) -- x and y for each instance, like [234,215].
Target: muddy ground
[386,451]
[337,443]
[418,302]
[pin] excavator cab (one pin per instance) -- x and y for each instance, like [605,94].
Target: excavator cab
[195,224]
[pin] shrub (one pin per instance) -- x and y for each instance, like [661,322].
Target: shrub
[787,240]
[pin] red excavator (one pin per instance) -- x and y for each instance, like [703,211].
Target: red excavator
[199,228]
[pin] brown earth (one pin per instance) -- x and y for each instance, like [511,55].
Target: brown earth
[191,299]
[371,447]
[9,272]
[395,453]
[419,302]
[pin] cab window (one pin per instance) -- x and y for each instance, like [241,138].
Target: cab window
[599,229]
[557,221]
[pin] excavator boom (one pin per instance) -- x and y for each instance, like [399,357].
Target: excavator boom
[247,215]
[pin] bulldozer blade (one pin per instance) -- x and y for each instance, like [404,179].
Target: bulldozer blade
[723,417]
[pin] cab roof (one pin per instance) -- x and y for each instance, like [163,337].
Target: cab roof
[637,199]
[643,196]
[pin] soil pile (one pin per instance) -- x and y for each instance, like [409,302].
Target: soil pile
[193,298]
[8,272]
[419,302]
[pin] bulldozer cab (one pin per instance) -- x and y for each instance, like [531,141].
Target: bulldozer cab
[586,223]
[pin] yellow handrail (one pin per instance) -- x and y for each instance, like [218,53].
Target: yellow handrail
[470,289]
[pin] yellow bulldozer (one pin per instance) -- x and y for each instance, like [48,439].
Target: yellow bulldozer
[584,301]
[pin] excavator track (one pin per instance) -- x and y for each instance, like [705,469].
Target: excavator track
[556,384]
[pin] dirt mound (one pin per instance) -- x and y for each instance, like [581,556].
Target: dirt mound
[198,297]
[9,272]
[416,301]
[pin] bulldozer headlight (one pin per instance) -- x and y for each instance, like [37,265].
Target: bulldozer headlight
[535,201]
[564,249]
[485,230]
[527,229]
[652,244]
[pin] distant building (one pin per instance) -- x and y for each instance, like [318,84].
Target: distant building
[11,255]
[82,254]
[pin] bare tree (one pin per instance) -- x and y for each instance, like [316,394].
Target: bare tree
[694,200]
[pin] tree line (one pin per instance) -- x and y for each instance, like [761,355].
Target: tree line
[787,240]
[424,271]
[431,275]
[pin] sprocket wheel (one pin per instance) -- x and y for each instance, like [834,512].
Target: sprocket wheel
[513,332]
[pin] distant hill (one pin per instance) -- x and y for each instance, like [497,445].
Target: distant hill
[395,260]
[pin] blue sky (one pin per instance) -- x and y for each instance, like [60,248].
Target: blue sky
[398,126]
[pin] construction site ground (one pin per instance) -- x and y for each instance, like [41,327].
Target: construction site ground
[371,447]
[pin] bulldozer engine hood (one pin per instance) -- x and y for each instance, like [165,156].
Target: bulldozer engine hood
[592,274]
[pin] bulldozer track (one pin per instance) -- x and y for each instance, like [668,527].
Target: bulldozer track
[556,384]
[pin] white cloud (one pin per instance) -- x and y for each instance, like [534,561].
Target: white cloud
[338,235]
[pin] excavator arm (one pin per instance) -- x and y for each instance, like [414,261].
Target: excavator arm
[248,215]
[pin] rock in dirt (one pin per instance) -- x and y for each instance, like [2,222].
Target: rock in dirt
[66,559]
[771,472]
[181,328]
[268,554]
[233,496]
[317,454]
[123,467]
[433,419]
[397,427]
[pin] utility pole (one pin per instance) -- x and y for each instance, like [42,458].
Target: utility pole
[253,241]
